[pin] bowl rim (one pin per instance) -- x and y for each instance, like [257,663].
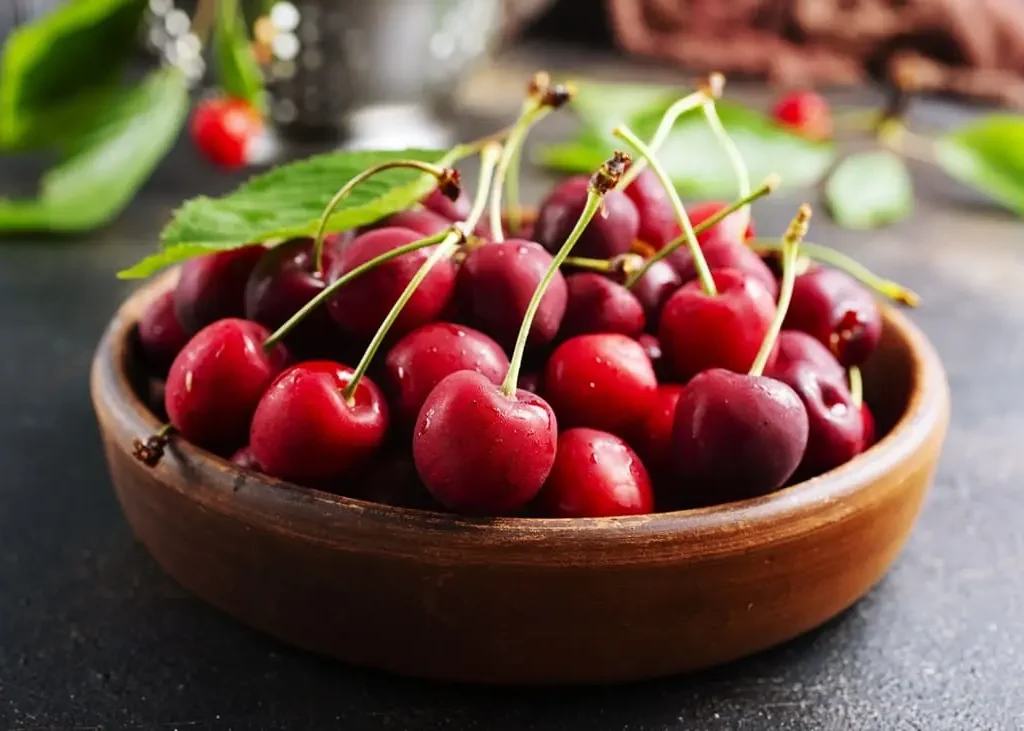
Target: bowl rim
[318,516]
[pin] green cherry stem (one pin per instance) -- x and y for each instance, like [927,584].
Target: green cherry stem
[447,181]
[838,260]
[707,282]
[739,165]
[770,183]
[790,251]
[600,183]
[449,243]
[856,386]
[604,266]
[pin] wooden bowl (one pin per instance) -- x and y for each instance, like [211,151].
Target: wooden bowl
[519,600]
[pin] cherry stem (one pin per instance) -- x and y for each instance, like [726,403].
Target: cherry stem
[739,165]
[329,291]
[151,451]
[447,180]
[533,112]
[790,251]
[707,282]
[856,386]
[603,266]
[838,260]
[770,183]
[514,208]
[449,243]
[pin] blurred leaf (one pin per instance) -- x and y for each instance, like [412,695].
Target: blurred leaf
[111,162]
[287,203]
[56,71]
[870,189]
[602,106]
[988,155]
[237,70]
[691,154]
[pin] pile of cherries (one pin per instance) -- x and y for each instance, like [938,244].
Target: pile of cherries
[515,378]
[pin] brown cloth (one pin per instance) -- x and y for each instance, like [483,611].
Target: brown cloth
[973,48]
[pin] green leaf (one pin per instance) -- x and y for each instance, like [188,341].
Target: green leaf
[239,73]
[691,154]
[870,189]
[111,161]
[57,68]
[601,106]
[988,155]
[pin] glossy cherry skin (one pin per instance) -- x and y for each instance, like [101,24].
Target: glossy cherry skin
[698,332]
[608,234]
[796,347]
[361,306]
[161,335]
[225,130]
[653,290]
[424,357]
[736,436]
[597,304]
[305,432]
[481,452]
[838,311]
[424,222]
[653,435]
[216,381]
[652,347]
[721,253]
[495,285]
[806,113]
[657,218]
[442,205]
[245,459]
[212,287]
[870,433]
[596,475]
[729,228]
[602,381]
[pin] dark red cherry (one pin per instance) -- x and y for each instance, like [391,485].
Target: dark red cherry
[479,451]
[216,381]
[609,233]
[421,359]
[602,381]
[531,381]
[729,228]
[794,346]
[652,347]
[721,253]
[870,434]
[838,311]
[658,224]
[361,306]
[653,435]
[442,205]
[305,432]
[161,335]
[653,290]
[736,436]
[495,285]
[597,304]
[212,287]
[596,475]
[698,332]
[245,459]
[424,222]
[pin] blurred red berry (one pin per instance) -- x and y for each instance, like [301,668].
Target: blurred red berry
[225,130]
[806,113]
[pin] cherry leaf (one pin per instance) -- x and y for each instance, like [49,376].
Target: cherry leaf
[237,70]
[870,189]
[988,155]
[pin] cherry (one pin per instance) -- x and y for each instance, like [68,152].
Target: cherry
[226,130]
[160,334]
[652,348]
[245,459]
[724,253]
[597,304]
[653,290]
[531,381]
[608,235]
[657,218]
[653,435]
[439,203]
[698,332]
[361,306]
[596,475]
[795,347]
[806,113]
[421,359]
[424,222]
[869,425]
[603,381]
[734,227]
[216,381]
[834,308]
[305,431]
[212,287]
[494,287]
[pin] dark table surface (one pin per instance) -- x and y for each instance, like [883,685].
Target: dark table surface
[93,635]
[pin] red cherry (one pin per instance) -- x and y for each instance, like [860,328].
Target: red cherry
[794,347]
[361,306]
[424,357]
[653,436]
[212,287]
[721,253]
[729,228]
[442,205]
[597,304]
[495,285]
[868,419]
[596,475]
[425,223]
[652,347]
[658,224]
[531,381]
[161,335]
[737,436]
[654,288]
[603,381]
[305,432]
[608,234]
[245,459]
[698,332]
[224,131]
[479,451]
[806,113]
[217,380]
[834,308]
